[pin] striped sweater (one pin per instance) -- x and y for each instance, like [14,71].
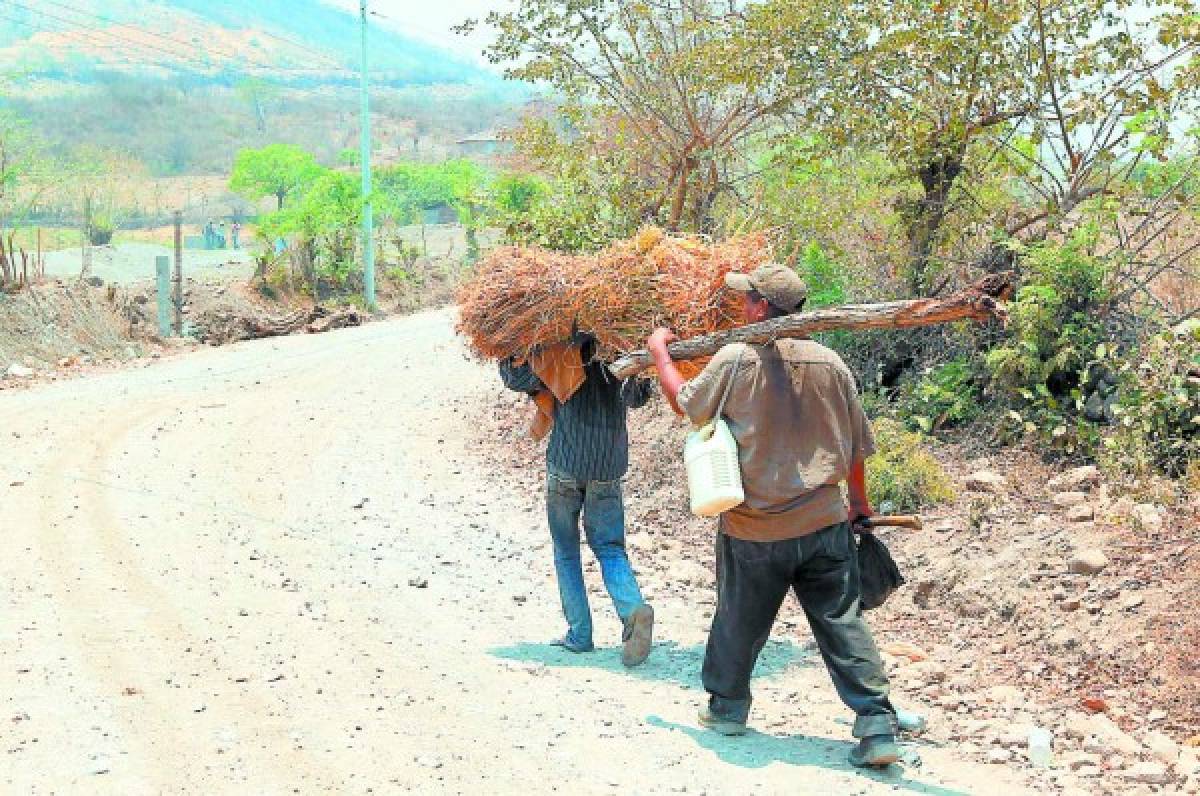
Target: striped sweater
[590,438]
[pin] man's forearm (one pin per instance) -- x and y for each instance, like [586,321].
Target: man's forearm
[856,486]
[670,378]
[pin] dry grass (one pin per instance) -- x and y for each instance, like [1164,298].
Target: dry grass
[56,320]
[521,298]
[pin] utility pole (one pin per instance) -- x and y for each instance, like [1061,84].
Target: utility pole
[368,220]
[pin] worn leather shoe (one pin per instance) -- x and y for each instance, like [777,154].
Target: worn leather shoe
[875,750]
[638,636]
[719,724]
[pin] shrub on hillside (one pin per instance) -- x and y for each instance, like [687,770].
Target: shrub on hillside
[904,472]
[1056,343]
[1158,413]
[944,396]
[1055,324]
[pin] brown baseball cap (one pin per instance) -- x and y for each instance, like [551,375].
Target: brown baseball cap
[777,283]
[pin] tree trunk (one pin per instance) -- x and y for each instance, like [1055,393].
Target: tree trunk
[927,214]
[980,302]
[679,201]
[279,199]
[705,223]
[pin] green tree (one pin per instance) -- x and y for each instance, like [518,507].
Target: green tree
[514,193]
[410,189]
[951,89]
[277,170]
[322,222]
[634,77]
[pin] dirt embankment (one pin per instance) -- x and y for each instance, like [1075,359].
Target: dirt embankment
[1030,601]
[57,325]
[59,328]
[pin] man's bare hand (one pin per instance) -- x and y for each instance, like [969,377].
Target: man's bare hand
[659,340]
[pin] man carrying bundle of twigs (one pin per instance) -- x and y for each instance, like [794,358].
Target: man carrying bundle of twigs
[794,410]
[584,408]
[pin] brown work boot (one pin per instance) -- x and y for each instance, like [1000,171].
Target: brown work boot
[638,636]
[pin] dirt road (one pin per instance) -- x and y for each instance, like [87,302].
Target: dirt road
[279,567]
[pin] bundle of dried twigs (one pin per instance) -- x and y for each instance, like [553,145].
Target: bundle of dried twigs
[521,298]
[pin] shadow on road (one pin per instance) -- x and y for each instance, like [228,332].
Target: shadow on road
[757,750]
[668,662]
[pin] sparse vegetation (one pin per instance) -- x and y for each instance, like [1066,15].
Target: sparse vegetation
[904,472]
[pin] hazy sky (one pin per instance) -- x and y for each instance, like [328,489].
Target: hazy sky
[431,20]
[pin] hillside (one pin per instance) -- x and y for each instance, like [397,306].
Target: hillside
[194,81]
[300,41]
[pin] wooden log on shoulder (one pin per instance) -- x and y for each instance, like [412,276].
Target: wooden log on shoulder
[980,302]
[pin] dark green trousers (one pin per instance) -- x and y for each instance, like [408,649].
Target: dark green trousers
[822,569]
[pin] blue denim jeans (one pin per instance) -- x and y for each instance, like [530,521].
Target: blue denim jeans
[603,513]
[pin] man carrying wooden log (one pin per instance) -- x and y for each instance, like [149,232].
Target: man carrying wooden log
[793,407]
[584,407]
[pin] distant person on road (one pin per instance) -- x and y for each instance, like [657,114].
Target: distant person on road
[236,231]
[210,235]
[585,408]
[221,239]
[793,407]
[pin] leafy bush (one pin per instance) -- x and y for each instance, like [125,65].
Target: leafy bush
[322,223]
[1056,342]
[1055,324]
[514,193]
[407,190]
[826,278]
[904,472]
[946,395]
[1158,412]
[569,218]
[101,230]
[1174,176]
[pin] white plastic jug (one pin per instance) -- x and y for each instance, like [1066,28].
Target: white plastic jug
[714,476]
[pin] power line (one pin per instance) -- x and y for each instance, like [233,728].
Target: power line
[300,46]
[146,31]
[74,25]
[410,25]
[117,42]
[83,38]
[114,42]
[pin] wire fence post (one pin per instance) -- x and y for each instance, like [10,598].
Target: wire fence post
[85,241]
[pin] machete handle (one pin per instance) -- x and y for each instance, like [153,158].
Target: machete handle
[910,521]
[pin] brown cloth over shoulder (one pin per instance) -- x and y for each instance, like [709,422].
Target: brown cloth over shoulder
[795,412]
[560,368]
